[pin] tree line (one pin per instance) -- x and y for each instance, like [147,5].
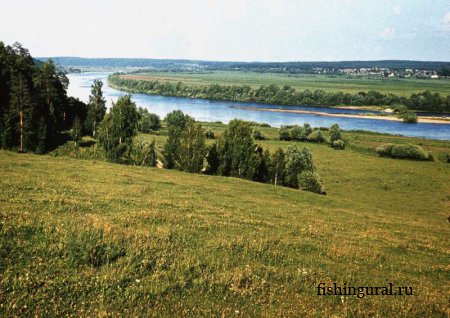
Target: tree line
[234,154]
[286,95]
[35,111]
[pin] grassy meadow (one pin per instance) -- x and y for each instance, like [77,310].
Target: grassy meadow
[90,238]
[351,84]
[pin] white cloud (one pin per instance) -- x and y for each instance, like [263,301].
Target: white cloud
[397,10]
[446,22]
[388,33]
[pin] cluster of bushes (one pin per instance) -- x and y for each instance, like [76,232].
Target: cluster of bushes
[306,133]
[285,95]
[407,151]
[404,113]
[148,122]
[235,154]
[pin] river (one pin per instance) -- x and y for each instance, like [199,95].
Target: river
[210,110]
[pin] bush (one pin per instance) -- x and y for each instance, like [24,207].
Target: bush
[335,134]
[316,136]
[148,122]
[297,133]
[310,181]
[257,134]
[338,144]
[385,150]
[407,151]
[143,154]
[408,117]
[284,133]
[209,134]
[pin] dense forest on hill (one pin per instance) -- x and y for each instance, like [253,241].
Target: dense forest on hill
[34,107]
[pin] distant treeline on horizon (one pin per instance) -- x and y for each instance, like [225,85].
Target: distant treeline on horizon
[254,66]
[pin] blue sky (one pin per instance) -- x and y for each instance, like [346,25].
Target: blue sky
[235,30]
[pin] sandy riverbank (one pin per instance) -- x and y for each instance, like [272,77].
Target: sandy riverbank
[424,119]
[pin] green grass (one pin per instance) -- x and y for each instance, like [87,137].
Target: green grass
[89,238]
[404,87]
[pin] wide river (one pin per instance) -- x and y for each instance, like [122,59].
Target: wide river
[210,110]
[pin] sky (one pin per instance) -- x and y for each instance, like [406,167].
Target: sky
[231,30]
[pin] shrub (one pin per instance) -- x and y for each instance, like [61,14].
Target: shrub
[209,134]
[148,122]
[335,133]
[297,133]
[284,133]
[407,151]
[316,136]
[307,128]
[385,150]
[257,134]
[338,144]
[143,154]
[408,117]
[310,181]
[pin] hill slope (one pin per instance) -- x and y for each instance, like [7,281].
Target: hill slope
[91,238]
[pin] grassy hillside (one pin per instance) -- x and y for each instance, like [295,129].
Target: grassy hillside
[404,87]
[89,238]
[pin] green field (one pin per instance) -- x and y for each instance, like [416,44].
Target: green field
[89,238]
[404,87]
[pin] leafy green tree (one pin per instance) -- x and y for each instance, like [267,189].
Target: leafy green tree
[297,133]
[335,133]
[316,136]
[118,129]
[297,161]
[176,123]
[259,165]
[284,133]
[235,149]
[277,167]
[96,107]
[191,154]
[310,181]
[148,122]
[308,130]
